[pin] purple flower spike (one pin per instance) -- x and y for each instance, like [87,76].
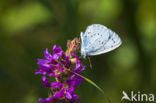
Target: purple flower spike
[58,66]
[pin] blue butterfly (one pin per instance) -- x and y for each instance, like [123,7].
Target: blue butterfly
[97,40]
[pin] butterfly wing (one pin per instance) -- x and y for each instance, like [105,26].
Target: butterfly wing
[99,39]
[92,33]
[112,43]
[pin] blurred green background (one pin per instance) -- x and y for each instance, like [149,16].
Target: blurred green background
[27,27]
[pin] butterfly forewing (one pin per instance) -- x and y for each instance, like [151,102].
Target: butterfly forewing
[93,33]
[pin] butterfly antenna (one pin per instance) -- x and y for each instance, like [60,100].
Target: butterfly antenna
[90,63]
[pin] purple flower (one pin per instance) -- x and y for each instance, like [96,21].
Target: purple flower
[74,82]
[59,66]
[68,93]
[56,85]
[47,100]
[67,89]
[45,81]
[59,94]
[79,66]
[47,55]
[51,64]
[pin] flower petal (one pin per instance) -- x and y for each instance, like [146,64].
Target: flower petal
[47,54]
[75,97]
[56,85]
[54,47]
[68,95]
[59,94]
[47,100]
[51,74]
[42,61]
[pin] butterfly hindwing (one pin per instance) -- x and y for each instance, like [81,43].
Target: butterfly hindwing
[98,39]
[112,43]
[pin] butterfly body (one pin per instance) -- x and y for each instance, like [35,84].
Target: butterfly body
[97,40]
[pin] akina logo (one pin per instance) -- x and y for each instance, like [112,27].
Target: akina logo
[137,96]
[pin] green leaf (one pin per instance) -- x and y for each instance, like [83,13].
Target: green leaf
[94,84]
